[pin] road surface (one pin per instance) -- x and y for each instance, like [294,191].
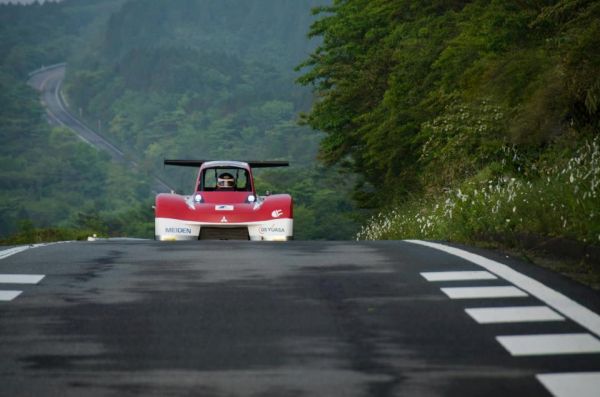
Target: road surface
[49,82]
[222,318]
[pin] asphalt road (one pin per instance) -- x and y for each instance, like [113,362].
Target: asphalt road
[143,318]
[48,82]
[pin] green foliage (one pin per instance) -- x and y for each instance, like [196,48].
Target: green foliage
[391,78]
[189,79]
[209,80]
[562,199]
[28,234]
[52,185]
[322,210]
[460,142]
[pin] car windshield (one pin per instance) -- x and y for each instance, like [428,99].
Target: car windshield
[225,178]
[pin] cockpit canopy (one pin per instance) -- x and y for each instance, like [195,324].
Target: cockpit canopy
[225,178]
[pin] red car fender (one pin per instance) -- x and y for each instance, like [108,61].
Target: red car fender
[168,204]
[278,206]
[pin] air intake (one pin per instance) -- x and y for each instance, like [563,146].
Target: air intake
[224,233]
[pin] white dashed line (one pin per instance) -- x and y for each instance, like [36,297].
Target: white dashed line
[559,302]
[458,276]
[580,384]
[483,292]
[536,345]
[517,314]
[6,296]
[20,278]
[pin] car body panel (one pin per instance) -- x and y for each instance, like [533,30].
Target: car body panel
[182,217]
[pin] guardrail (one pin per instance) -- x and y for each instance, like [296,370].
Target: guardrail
[44,68]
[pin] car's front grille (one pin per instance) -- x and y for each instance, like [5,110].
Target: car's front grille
[224,233]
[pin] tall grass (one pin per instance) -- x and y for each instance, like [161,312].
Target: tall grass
[559,200]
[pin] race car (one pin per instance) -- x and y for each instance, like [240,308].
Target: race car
[224,206]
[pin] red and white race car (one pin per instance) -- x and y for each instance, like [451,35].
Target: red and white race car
[224,206]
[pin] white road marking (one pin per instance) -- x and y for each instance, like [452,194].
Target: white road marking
[559,302]
[517,314]
[12,251]
[21,278]
[535,345]
[9,295]
[483,292]
[580,384]
[458,276]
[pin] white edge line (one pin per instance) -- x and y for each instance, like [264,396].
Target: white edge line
[566,306]
[12,251]
[15,250]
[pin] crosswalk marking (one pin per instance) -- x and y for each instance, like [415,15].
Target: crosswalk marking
[458,276]
[514,314]
[559,308]
[483,292]
[557,301]
[6,296]
[535,345]
[20,278]
[9,295]
[580,384]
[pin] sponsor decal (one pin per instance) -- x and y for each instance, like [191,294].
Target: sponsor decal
[276,213]
[178,230]
[223,207]
[271,229]
[224,220]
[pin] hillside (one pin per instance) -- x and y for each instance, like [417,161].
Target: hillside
[465,120]
[189,79]
[48,178]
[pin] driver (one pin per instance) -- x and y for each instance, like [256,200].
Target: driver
[225,181]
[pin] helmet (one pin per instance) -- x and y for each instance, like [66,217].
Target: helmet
[225,181]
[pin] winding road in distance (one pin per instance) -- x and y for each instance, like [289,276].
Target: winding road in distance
[224,318]
[48,80]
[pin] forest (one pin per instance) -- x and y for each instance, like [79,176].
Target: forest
[453,120]
[463,120]
[187,79]
[52,186]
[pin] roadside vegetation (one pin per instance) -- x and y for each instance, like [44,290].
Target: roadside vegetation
[467,121]
[552,199]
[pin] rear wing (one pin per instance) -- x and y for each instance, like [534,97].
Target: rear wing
[252,164]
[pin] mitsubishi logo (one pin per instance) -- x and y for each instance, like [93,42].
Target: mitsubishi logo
[224,220]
